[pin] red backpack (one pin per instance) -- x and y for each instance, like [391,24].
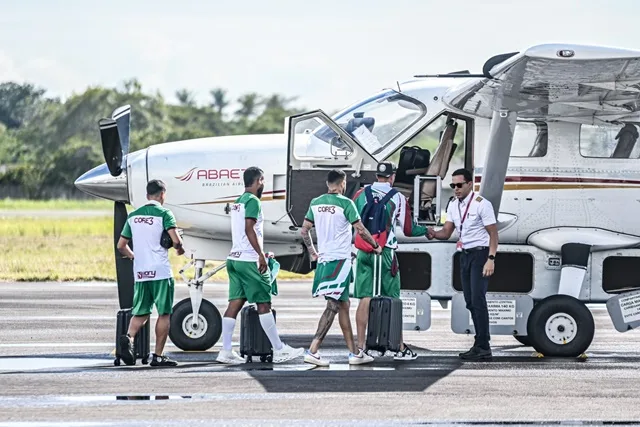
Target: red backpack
[374,218]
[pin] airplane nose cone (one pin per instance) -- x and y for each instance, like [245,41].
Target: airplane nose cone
[100,183]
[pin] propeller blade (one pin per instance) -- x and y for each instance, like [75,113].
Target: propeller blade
[111,147]
[124,266]
[122,116]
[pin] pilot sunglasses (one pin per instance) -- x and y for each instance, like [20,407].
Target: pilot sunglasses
[459,184]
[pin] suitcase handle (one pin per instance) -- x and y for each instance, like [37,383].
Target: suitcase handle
[377,274]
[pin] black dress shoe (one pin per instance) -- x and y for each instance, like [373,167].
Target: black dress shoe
[477,353]
[468,352]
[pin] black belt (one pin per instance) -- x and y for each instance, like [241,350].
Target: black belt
[474,249]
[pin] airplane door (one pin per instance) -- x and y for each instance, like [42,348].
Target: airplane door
[317,144]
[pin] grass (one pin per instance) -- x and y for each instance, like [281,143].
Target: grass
[56,204]
[76,249]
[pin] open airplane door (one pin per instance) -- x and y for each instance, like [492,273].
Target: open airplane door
[317,144]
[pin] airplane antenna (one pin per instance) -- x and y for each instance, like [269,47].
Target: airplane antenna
[453,75]
[398,83]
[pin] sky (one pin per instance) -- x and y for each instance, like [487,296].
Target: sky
[328,53]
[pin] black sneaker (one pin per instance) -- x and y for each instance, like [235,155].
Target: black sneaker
[477,353]
[406,354]
[162,361]
[128,355]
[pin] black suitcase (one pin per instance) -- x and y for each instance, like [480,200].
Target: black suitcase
[142,341]
[253,339]
[384,329]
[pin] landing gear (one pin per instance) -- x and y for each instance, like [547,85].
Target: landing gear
[560,326]
[196,324]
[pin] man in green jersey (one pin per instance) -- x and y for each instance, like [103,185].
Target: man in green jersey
[397,212]
[154,283]
[333,214]
[249,276]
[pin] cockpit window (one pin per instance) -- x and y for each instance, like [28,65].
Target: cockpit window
[377,121]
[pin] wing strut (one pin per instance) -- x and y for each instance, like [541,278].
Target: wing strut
[503,125]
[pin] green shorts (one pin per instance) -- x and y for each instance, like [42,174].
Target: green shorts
[332,280]
[246,282]
[390,285]
[160,292]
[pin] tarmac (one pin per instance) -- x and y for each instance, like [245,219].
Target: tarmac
[56,368]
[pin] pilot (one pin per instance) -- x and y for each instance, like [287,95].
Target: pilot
[154,278]
[473,217]
[398,212]
[333,215]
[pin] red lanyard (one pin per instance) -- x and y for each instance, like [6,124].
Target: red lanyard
[465,212]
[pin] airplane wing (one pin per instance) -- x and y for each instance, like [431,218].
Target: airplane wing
[583,84]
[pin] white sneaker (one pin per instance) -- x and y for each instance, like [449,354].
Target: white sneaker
[359,359]
[229,357]
[315,359]
[286,353]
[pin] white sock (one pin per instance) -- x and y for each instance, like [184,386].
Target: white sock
[269,325]
[228,324]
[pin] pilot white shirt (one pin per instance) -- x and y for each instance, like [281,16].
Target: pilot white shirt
[479,215]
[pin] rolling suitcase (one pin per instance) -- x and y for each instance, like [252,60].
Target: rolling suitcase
[253,339]
[142,341]
[384,329]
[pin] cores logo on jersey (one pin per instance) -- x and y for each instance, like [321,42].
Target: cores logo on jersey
[211,174]
[146,274]
[328,209]
[143,220]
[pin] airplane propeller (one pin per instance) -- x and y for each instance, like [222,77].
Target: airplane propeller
[114,133]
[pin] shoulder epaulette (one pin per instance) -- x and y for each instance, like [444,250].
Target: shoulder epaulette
[478,199]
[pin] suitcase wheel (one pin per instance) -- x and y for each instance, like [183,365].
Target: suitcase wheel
[116,362]
[268,358]
[145,360]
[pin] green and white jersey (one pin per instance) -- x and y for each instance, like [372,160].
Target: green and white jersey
[333,215]
[145,226]
[246,206]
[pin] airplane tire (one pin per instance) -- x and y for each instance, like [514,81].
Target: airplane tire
[560,326]
[185,336]
[523,339]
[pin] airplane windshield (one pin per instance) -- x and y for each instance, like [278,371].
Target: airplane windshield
[377,121]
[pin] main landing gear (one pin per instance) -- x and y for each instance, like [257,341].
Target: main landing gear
[559,326]
[196,324]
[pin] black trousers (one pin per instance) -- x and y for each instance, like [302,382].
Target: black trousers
[474,288]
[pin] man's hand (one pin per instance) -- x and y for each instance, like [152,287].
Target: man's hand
[431,234]
[314,256]
[378,250]
[488,268]
[262,264]
[180,250]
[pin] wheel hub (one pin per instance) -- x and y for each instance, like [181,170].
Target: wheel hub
[561,328]
[192,329]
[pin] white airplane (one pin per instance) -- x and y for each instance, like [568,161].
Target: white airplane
[549,133]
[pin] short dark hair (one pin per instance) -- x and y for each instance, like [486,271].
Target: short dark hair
[155,187]
[465,173]
[336,176]
[251,175]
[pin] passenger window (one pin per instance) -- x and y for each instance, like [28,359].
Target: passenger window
[530,139]
[609,141]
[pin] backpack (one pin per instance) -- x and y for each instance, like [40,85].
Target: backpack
[374,219]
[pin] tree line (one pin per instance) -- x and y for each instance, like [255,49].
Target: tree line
[46,142]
